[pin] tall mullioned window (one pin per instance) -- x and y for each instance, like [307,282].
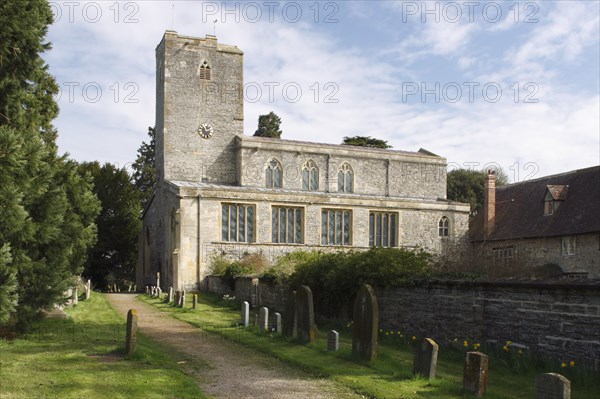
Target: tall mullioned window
[310,176]
[237,222]
[336,227]
[444,227]
[345,179]
[274,174]
[382,229]
[286,225]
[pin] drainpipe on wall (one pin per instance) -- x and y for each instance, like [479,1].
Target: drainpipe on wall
[489,204]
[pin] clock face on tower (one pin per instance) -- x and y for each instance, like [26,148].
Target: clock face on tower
[205,131]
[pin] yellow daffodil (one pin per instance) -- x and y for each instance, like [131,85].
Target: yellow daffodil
[563,365]
[413,338]
[505,348]
[572,363]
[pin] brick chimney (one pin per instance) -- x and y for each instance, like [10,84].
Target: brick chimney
[489,204]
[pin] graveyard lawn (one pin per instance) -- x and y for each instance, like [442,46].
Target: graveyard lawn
[83,357]
[390,376]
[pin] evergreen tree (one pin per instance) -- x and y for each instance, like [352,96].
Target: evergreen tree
[144,168]
[113,259]
[47,208]
[465,185]
[366,141]
[268,126]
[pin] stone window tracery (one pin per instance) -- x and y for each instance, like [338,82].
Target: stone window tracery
[310,176]
[274,174]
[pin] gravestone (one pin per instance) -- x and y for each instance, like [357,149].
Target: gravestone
[88,289]
[290,319]
[158,279]
[76,296]
[158,292]
[263,319]
[278,323]
[245,314]
[170,297]
[364,324]
[176,298]
[115,287]
[135,288]
[475,375]
[333,341]
[182,299]
[131,332]
[552,386]
[305,316]
[129,288]
[194,301]
[425,361]
[147,290]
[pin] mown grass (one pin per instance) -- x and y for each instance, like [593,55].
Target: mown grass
[83,357]
[390,376]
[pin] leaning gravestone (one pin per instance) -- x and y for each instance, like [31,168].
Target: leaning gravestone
[475,376]
[364,324]
[182,299]
[131,332]
[278,323]
[289,321]
[194,301]
[170,297]
[245,314]
[88,289]
[305,316]
[333,341]
[263,319]
[425,361]
[552,386]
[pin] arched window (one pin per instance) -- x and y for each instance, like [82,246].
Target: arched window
[204,70]
[345,179]
[274,174]
[444,227]
[310,176]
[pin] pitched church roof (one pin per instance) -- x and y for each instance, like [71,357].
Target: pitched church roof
[520,207]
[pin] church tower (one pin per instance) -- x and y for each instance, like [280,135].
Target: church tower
[199,109]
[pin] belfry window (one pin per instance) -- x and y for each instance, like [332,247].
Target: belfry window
[310,176]
[345,179]
[205,70]
[274,174]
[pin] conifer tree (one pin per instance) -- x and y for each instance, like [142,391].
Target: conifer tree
[144,168]
[268,126]
[48,210]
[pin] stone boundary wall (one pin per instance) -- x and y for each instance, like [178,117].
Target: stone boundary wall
[558,320]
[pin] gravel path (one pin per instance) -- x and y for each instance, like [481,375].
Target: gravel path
[221,368]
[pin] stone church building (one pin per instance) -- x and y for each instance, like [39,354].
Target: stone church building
[220,192]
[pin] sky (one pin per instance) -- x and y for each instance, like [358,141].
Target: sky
[511,84]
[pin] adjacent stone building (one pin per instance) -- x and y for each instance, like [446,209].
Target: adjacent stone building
[222,193]
[553,220]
